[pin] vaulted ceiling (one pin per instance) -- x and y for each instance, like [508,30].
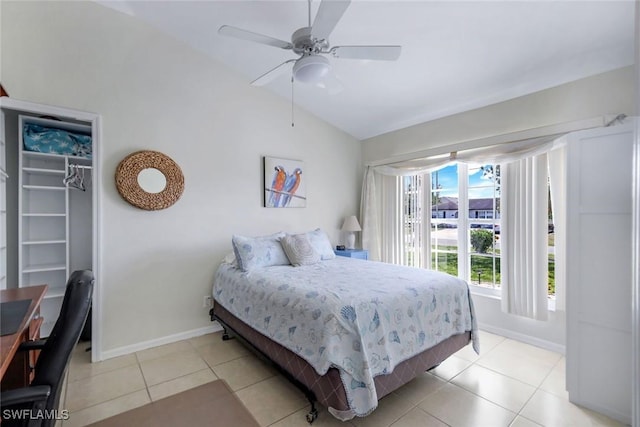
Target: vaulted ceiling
[456,56]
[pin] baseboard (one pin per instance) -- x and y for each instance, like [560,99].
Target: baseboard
[128,349]
[528,339]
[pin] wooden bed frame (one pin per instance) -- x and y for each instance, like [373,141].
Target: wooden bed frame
[327,389]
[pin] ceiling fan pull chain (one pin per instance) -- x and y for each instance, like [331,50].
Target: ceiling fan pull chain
[292,124]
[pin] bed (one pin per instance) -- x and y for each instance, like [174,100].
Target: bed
[346,331]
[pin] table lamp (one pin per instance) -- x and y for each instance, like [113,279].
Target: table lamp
[351,225]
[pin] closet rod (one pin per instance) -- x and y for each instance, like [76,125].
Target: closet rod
[72,165]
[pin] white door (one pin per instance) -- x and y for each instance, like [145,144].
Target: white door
[599,267]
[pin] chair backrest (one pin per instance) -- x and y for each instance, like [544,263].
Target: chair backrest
[58,348]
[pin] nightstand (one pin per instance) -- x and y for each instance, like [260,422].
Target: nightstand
[353,253]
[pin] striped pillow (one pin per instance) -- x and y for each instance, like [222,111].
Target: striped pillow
[299,250]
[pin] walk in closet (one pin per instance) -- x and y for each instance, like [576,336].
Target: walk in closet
[50,215]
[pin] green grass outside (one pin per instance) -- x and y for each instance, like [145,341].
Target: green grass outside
[448,263]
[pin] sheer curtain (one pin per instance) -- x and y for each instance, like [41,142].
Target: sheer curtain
[382,208]
[369,216]
[391,220]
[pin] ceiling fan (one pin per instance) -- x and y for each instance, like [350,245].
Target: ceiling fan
[311,43]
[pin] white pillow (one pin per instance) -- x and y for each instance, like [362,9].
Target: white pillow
[255,252]
[320,242]
[299,250]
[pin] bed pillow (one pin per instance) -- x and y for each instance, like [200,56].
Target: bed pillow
[299,250]
[256,252]
[320,242]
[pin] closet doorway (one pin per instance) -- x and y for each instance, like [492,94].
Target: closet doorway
[50,204]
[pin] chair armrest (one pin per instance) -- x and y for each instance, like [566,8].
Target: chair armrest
[24,395]
[32,345]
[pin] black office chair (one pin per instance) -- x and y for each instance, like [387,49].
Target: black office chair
[43,394]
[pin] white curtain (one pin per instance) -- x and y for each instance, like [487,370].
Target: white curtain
[369,216]
[391,220]
[380,232]
[524,258]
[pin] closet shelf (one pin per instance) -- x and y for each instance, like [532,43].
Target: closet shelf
[37,154]
[54,293]
[43,267]
[43,242]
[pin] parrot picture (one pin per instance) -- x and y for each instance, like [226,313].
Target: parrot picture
[279,178]
[291,184]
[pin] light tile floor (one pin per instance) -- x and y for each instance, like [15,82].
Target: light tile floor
[509,384]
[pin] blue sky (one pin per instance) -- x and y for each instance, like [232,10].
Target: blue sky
[447,179]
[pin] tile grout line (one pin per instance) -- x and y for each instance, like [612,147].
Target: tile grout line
[396,419]
[146,386]
[490,401]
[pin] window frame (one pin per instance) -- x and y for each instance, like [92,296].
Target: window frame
[464,235]
[463,223]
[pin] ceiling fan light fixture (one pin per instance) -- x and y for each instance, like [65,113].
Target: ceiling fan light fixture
[311,68]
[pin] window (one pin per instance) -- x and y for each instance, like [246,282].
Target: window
[444,220]
[474,189]
[483,192]
[551,251]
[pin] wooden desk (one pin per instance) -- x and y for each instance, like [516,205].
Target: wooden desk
[17,367]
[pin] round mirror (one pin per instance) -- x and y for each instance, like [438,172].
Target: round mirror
[149,180]
[152,180]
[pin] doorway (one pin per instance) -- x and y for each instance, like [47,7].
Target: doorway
[51,228]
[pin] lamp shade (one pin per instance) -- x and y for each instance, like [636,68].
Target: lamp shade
[351,224]
[311,68]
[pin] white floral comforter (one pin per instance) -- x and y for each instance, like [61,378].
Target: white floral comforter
[363,317]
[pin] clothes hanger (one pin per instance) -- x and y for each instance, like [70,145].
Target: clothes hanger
[75,178]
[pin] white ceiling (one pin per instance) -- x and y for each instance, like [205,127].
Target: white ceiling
[456,56]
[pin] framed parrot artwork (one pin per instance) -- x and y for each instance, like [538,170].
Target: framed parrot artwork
[284,183]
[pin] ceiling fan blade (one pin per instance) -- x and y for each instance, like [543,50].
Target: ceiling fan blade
[273,73]
[329,13]
[379,53]
[227,30]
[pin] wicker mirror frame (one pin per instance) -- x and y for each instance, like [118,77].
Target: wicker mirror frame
[130,190]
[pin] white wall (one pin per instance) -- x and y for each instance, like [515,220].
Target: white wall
[608,93]
[154,92]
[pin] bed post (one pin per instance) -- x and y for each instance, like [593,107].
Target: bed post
[225,332]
